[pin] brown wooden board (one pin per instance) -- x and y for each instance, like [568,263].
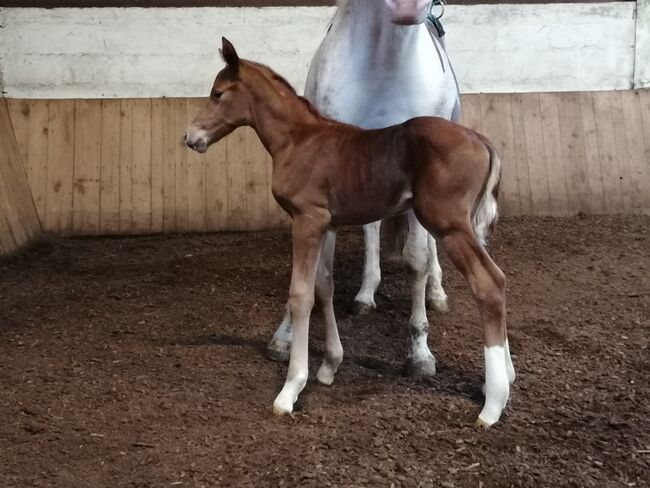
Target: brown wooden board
[592,154]
[609,157]
[169,166]
[644,164]
[157,165]
[521,156]
[37,141]
[126,166]
[19,113]
[555,170]
[141,154]
[109,214]
[87,167]
[636,148]
[60,167]
[20,221]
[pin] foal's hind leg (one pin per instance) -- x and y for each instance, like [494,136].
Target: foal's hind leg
[324,297]
[488,285]
[416,253]
[364,302]
[280,344]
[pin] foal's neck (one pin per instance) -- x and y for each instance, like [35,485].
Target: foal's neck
[279,114]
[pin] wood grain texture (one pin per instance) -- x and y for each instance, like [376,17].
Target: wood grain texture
[87,167]
[118,166]
[19,221]
[109,201]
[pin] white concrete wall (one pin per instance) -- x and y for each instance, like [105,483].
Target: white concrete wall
[89,53]
[642,66]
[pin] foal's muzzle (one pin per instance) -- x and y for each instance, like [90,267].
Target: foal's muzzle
[195,140]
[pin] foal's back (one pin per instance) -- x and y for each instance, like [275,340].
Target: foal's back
[368,174]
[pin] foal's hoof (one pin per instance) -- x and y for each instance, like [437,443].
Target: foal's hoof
[278,351]
[361,308]
[421,368]
[439,304]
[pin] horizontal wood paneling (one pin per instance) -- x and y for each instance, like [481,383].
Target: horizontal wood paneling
[119,166]
[18,218]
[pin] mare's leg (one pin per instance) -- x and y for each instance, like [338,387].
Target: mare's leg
[436,296]
[365,299]
[280,344]
[308,235]
[324,297]
[416,253]
[488,284]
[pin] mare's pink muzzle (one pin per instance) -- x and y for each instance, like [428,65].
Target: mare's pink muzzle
[408,12]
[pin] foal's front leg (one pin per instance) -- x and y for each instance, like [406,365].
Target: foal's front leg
[308,232]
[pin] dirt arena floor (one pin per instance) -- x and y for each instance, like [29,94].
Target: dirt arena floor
[139,362]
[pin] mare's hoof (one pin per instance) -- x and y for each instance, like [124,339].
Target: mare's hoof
[278,351]
[422,368]
[325,375]
[482,424]
[282,407]
[438,304]
[280,411]
[361,308]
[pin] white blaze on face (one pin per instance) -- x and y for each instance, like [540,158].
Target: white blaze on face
[408,12]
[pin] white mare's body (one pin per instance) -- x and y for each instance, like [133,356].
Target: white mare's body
[372,73]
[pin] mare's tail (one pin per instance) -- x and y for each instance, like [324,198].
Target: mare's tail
[486,213]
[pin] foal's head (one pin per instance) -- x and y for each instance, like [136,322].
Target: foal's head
[229,105]
[408,12]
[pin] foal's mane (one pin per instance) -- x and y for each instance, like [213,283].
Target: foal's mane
[272,76]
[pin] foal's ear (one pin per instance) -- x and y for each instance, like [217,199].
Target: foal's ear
[228,53]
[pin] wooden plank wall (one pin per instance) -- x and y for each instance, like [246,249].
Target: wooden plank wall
[18,219]
[119,167]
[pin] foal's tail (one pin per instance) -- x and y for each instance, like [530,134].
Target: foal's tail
[486,213]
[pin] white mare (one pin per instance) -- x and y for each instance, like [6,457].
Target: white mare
[381,64]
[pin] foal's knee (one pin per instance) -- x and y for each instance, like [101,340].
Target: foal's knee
[301,301]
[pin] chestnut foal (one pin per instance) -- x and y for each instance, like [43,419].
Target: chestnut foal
[327,174]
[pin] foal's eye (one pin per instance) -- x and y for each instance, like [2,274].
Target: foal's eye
[216,95]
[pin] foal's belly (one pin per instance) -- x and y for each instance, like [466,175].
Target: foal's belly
[361,209]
